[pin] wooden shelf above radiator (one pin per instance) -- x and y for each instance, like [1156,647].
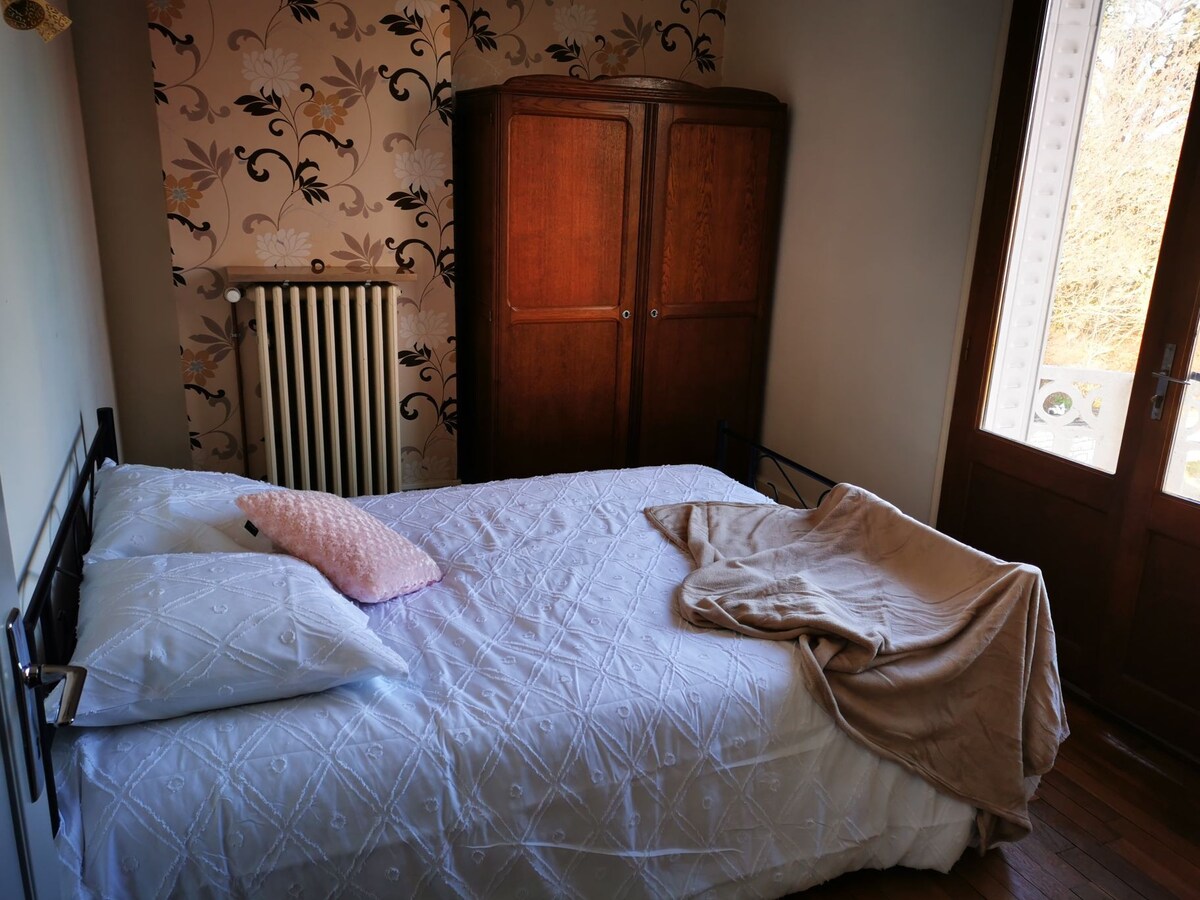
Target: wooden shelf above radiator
[242,275]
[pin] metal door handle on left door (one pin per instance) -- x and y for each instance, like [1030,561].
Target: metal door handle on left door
[43,675]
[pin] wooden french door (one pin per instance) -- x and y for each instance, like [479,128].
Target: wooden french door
[1120,549]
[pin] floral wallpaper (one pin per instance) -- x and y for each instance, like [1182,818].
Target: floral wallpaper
[667,38]
[302,130]
[295,130]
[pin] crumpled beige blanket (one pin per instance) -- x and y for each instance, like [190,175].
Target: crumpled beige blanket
[933,654]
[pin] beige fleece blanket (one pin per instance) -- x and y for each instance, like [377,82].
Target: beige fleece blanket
[931,653]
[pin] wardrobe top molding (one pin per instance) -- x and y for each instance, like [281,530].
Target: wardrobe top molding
[629,87]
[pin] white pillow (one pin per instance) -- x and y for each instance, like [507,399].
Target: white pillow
[144,510]
[163,636]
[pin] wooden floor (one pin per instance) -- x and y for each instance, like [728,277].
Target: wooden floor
[1116,818]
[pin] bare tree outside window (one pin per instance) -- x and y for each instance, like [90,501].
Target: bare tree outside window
[1136,111]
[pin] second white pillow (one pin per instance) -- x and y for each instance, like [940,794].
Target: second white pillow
[144,510]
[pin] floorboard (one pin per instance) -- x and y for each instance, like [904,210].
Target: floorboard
[1117,819]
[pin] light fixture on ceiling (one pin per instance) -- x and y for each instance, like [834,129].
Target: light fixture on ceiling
[35,15]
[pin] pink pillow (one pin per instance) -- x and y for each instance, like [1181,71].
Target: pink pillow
[364,559]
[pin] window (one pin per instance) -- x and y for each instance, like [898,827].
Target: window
[1115,81]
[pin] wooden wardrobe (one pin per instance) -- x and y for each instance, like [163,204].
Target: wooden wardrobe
[616,245]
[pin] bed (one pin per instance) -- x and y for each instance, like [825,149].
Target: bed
[561,731]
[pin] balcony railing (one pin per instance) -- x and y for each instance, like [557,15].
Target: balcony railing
[1080,414]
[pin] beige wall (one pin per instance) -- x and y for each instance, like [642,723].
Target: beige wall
[54,357]
[135,249]
[890,104]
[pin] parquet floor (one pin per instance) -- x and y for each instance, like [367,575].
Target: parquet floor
[1117,818]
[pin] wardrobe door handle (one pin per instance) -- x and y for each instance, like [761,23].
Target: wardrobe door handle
[625,314]
[654,313]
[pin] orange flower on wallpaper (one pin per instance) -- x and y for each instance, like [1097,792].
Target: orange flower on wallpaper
[182,194]
[612,61]
[198,367]
[326,112]
[164,12]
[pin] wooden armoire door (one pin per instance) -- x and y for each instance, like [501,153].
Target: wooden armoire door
[571,172]
[713,231]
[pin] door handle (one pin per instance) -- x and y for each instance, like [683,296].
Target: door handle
[1165,380]
[1192,378]
[74,676]
[27,678]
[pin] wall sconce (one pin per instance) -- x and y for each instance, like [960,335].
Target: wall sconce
[35,15]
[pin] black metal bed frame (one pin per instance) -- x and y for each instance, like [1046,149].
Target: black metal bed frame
[41,641]
[756,455]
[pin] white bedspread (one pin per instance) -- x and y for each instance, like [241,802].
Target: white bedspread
[563,734]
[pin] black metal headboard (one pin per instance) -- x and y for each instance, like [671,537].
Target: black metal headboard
[42,640]
[756,455]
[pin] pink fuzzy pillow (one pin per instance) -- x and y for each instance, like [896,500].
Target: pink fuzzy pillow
[364,559]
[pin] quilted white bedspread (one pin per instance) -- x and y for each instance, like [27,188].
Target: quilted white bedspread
[563,733]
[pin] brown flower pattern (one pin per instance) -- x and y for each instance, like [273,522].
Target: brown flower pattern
[612,61]
[182,194]
[667,38]
[198,366]
[326,112]
[164,12]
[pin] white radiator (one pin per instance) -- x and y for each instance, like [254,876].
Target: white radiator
[327,358]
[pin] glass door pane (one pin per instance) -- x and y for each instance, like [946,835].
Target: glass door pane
[1115,83]
[1183,469]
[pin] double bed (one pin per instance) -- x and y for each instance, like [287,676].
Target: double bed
[561,731]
